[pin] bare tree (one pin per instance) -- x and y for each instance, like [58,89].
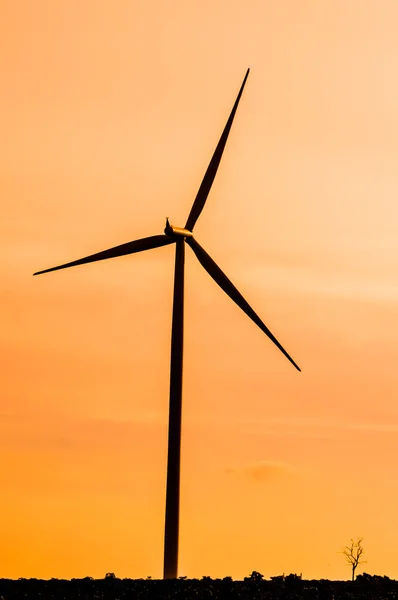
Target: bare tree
[353,555]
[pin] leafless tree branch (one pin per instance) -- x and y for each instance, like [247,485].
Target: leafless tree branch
[353,554]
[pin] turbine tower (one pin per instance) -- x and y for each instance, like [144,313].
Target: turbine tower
[179,236]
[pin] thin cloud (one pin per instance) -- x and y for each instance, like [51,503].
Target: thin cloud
[377,427]
[57,432]
[292,426]
[265,470]
[369,286]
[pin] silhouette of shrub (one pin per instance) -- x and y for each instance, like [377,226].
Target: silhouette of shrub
[254,576]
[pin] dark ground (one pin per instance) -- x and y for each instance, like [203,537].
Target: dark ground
[253,588]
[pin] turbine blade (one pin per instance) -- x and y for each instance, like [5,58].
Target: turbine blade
[225,284]
[210,174]
[148,243]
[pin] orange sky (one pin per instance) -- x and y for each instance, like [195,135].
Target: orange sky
[110,113]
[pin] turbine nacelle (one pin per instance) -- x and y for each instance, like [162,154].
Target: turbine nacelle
[172,231]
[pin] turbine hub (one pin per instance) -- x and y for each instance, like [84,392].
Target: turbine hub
[176,231]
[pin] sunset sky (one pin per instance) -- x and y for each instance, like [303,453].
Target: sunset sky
[110,112]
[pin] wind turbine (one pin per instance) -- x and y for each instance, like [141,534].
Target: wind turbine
[178,236]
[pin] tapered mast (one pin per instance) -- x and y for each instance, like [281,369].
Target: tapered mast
[171,529]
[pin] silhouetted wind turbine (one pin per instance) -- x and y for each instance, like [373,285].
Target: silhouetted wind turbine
[178,236]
